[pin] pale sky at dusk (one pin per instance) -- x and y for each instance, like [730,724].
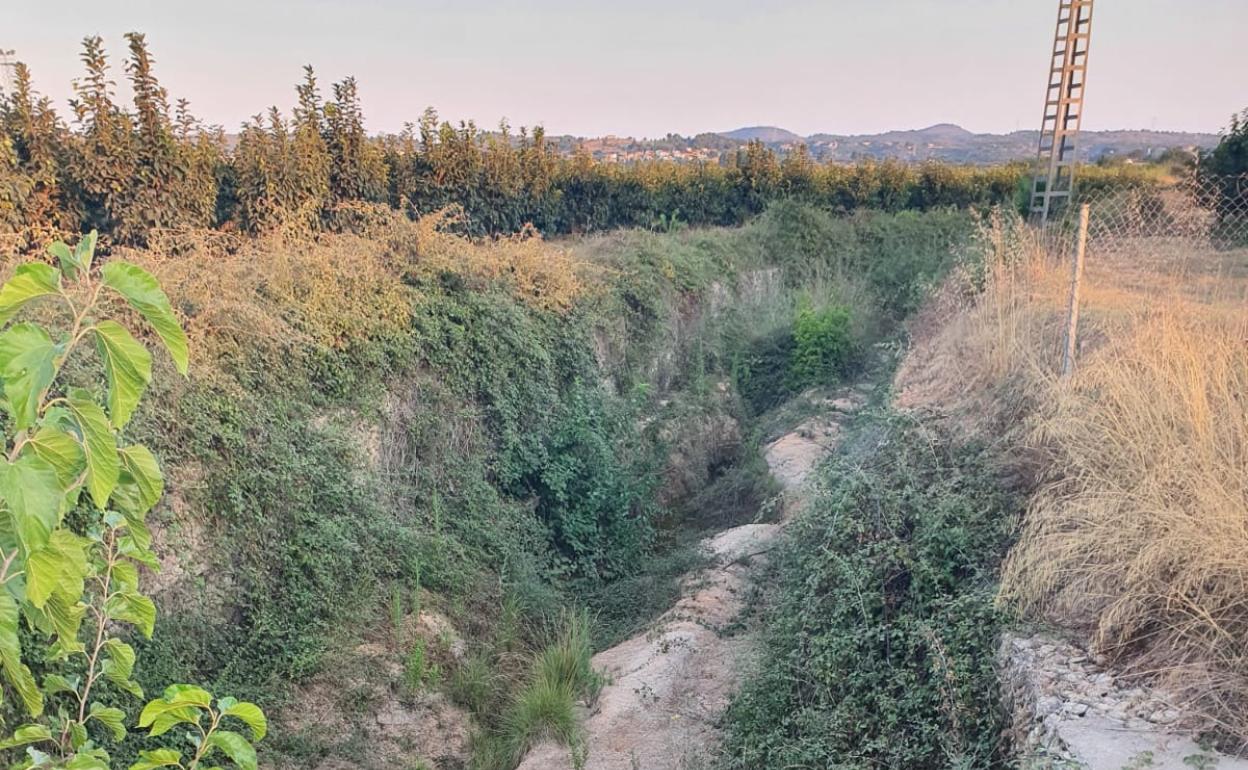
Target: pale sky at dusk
[648,67]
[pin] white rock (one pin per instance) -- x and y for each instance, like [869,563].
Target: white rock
[1048,705]
[1164,716]
[1077,709]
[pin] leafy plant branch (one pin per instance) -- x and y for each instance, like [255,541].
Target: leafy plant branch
[60,442]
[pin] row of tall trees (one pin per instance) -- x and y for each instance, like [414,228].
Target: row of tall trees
[129,169]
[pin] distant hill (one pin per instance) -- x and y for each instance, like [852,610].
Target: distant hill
[767,134]
[946,141]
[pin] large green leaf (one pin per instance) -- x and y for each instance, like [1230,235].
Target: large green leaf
[250,714]
[16,672]
[74,550]
[43,574]
[56,683]
[103,465]
[137,544]
[28,366]
[84,252]
[32,495]
[95,759]
[63,616]
[26,734]
[112,718]
[167,720]
[143,293]
[128,366]
[133,607]
[126,575]
[235,747]
[119,665]
[29,281]
[57,568]
[61,451]
[186,695]
[78,735]
[141,483]
[150,760]
[180,703]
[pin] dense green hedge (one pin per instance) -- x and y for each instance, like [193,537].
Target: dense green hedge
[127,170]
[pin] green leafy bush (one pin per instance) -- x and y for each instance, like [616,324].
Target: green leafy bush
[760,369]
[880,644]
[823,346]
[597,507]
[74,497]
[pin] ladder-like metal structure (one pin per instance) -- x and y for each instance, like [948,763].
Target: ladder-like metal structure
[1063,110]
[6,71]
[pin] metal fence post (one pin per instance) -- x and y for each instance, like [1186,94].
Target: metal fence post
[1072,319]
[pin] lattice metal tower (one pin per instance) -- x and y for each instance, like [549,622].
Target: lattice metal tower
[7,63]
[7,66]
[1063,109]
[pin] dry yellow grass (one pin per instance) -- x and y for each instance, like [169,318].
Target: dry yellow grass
[1138,531]
[248,293]
[336,289]
[541,273]
[1142,531]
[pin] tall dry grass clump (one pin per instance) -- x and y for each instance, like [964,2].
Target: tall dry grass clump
[1137,532]
[267,298]
[1141,532]
[981,348]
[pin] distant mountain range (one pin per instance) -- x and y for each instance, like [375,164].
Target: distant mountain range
[946,141]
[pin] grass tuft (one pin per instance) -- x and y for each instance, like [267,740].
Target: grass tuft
[544,706]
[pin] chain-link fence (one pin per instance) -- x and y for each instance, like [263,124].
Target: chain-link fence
[1187,238]
[1195,225]
[1197,212]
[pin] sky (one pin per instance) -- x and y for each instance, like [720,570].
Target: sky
[649,67]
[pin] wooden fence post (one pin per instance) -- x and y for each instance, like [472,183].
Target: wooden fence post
[1072,318]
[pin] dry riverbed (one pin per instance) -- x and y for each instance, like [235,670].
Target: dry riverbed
[668,686]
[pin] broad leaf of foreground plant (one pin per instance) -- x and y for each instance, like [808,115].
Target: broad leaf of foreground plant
[250,714]
[128,366]
[32,499]
[61,451]
[28,282]
[235,747]
[60,567]
[100,445]
[16,672]
[143,293]
[140,484]
[28,365]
